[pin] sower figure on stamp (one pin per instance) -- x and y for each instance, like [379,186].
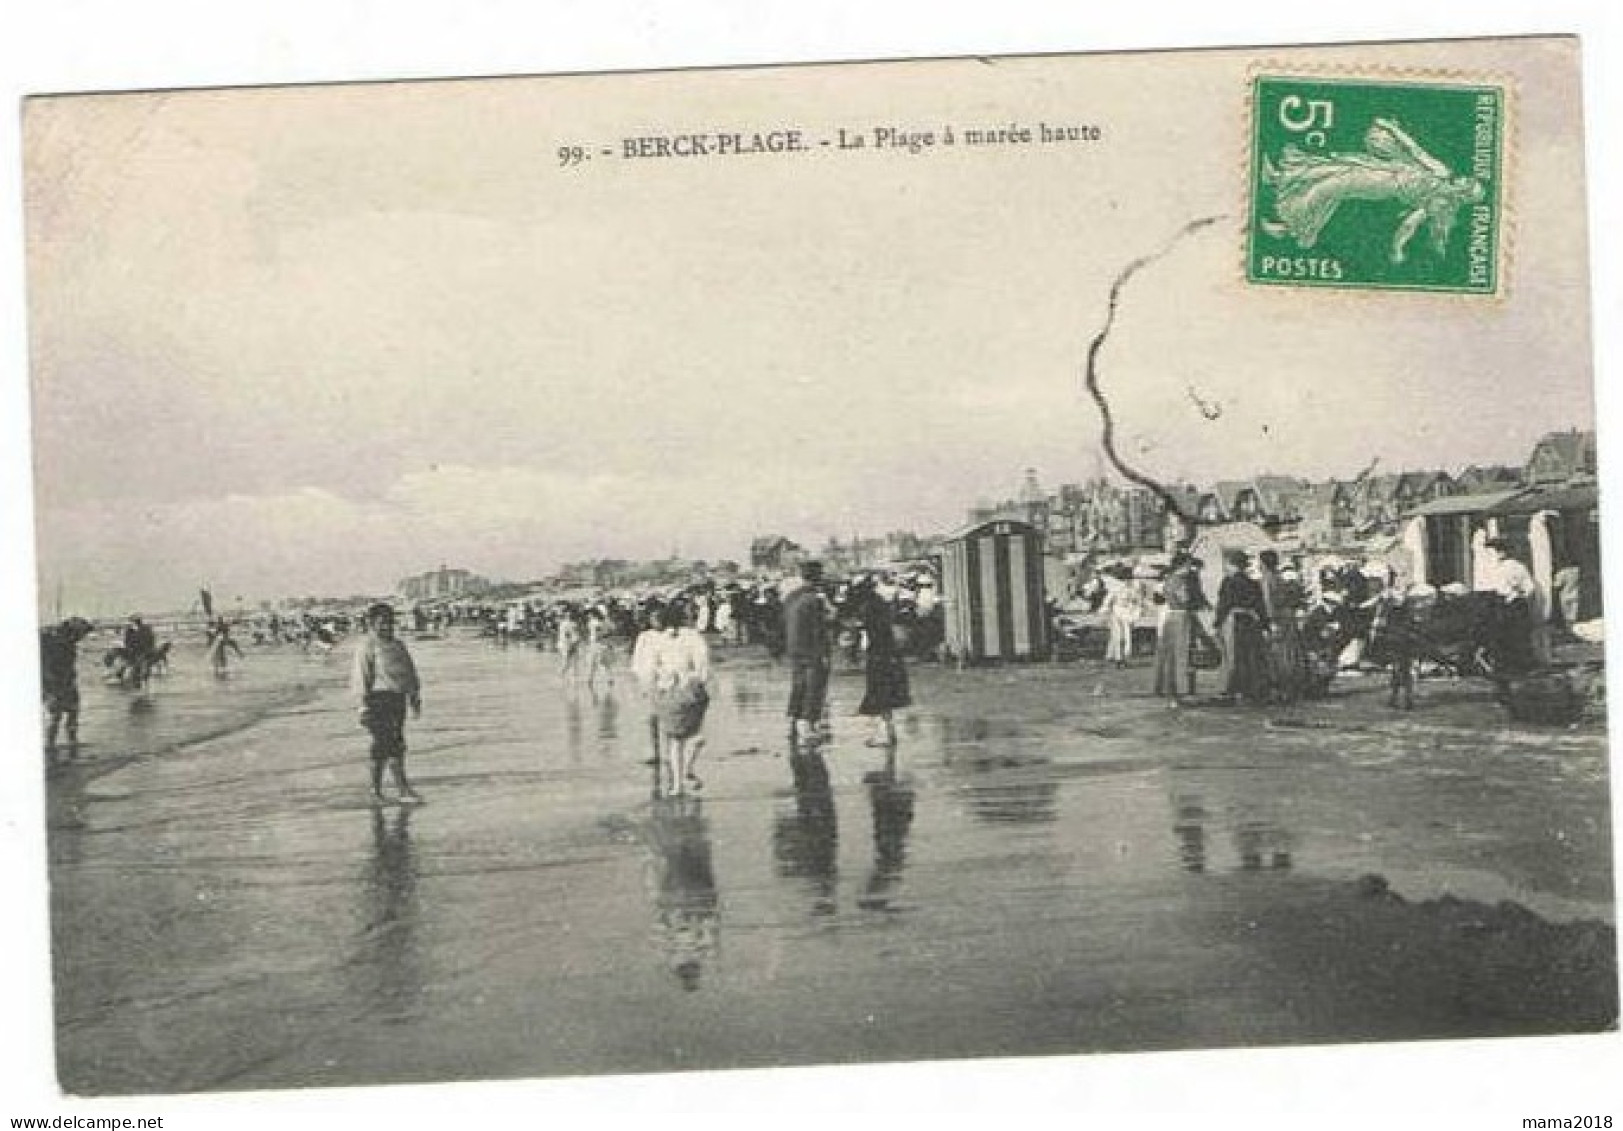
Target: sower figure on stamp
[384,679]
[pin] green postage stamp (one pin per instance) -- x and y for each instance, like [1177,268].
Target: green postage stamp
[1376,185]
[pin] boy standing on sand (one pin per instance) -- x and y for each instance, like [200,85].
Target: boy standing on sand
[384,679]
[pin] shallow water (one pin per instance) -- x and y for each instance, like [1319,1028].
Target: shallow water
[188,702]
[1050,862]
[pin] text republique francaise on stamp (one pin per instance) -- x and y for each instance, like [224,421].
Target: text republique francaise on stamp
[1376,185]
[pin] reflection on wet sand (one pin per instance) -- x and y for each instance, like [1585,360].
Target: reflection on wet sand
[384,969]
[745,697]
[1032,801]
[974,732]
[574,729]
[805,840]
[608,718]
[891,802]
[1261,845]
[998,783]
[1190,830]
[1038,863]
[1244,804]
[686,903]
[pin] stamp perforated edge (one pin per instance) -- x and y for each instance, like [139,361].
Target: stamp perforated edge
[1509,137]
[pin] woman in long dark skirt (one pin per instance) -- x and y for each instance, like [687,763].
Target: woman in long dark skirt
[1242,625]
[887,685]
[1181,593]
[1289,672]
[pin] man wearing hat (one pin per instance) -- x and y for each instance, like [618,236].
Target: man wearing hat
[806,642]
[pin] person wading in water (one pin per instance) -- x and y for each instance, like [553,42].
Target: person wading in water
[384,679]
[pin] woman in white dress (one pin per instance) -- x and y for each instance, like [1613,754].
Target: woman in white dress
[1122,606]
[680,678]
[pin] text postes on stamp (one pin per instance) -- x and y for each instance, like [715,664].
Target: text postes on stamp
[1376,185]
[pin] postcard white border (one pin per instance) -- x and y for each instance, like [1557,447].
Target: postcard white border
[63,45]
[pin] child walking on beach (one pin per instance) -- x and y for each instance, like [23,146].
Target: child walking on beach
[680,677]
[384,679]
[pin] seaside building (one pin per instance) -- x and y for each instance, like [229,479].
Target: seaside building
[774,552]
[1475,480]
[1325,515]
[442,582]
[1561,457]
[1099,516]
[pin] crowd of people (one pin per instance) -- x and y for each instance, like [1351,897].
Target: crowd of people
[1255,641]
[1277,632]
[1271,634]
[1271,638]
[742,612]
[670,661]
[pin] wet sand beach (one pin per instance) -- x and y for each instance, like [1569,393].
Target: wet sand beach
[1052,862]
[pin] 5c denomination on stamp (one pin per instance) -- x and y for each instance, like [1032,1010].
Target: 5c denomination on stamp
[1376,185]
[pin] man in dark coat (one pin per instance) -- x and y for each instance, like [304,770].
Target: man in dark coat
[806,642]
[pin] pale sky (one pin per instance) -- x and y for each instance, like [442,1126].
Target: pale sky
[311,340]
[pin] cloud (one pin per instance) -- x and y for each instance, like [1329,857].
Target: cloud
[313,339]
[515,523]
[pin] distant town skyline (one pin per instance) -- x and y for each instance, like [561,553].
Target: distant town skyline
[465,559]
[314,339]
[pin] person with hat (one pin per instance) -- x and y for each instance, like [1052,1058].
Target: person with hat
[1283,601]
[1182,600]
[384,679]
[569,646]
[59,676]
[1242,626]
[220,643]
[886,687]
[806,616]
[140,643]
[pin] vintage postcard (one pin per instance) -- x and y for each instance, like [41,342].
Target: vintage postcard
[781,566]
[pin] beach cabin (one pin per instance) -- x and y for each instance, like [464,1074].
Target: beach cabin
[1552,529]
[1444,537]
[1559,528]
[993,581]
